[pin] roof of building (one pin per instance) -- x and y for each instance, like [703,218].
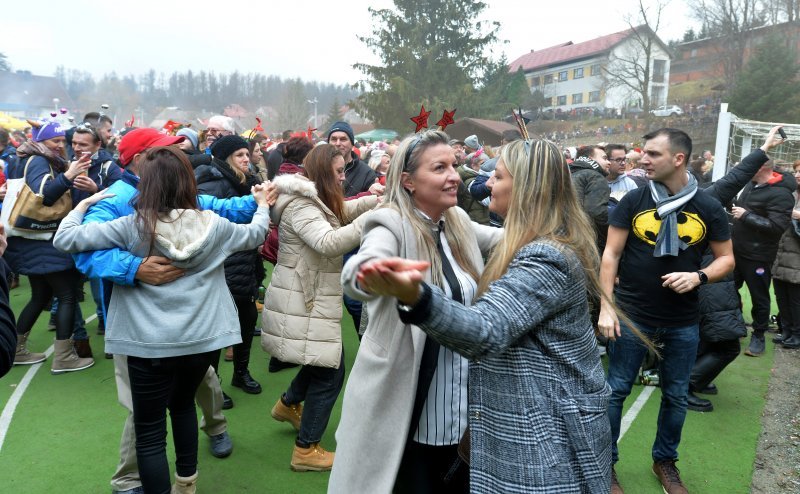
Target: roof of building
[568,51]
[23,91]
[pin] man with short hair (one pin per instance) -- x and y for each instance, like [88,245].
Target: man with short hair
[358,176]
[589,173]
[102,123]
[761,213]
[662,232]
[618,181]
[116,266]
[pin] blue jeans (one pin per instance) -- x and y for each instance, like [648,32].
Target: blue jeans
[318,388]
[678,351]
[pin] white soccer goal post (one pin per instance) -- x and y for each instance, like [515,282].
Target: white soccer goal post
[736,137]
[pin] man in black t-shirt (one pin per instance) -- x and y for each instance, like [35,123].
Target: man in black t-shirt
[656,238]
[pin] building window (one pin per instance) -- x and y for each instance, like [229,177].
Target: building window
[577,98]
[595,69]
[594,96]
[535,81]
[562,100]
[548,79]
[577,73]
[659,69]
[562,76]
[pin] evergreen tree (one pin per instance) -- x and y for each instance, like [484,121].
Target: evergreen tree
[431,53]
[334,114]
[767,88]
[4,65]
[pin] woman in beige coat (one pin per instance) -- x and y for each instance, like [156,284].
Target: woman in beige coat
[302,315]
[405,402]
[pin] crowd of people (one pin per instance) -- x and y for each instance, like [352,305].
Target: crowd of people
[485,285]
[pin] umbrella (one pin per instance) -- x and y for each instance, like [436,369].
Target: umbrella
[12,123]
[378,135]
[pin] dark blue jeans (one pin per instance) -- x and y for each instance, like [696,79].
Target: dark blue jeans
[678,348]
[317,388]
[158,385]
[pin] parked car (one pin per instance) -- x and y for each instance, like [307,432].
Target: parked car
[667,111]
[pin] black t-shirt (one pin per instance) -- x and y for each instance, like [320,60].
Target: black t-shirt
[639,293]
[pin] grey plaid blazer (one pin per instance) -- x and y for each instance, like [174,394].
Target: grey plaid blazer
[537,390]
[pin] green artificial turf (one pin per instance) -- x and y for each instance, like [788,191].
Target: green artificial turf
[65,434]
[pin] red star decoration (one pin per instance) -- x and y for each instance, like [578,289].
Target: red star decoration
[447,119]
[422,119]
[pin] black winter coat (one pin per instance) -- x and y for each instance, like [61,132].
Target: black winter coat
[244,271]
[359,177]
[8,327]
[720,316]
[591,187]
[769,213]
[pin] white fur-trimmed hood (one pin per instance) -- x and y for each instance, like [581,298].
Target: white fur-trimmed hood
[184,232]
[290,187]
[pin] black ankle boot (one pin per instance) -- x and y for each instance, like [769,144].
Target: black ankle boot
[792,342]
[227,401]
[698,404]
[243,380]
[276,365]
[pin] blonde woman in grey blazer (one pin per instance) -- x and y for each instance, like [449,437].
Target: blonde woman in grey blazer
[404,408]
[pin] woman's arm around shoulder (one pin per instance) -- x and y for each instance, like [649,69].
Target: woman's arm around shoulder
[313,227]
[72,236]
[356,207]
[238,237]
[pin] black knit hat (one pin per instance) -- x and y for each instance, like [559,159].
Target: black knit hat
[226,146]
[342,127]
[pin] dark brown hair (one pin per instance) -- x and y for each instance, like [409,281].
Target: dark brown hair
[296,149]
[318,166]
[166,182]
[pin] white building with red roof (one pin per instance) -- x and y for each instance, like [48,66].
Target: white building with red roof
[577,76]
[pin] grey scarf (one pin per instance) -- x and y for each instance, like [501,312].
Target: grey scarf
[668,243]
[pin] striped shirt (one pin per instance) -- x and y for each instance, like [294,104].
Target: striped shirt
[444,415]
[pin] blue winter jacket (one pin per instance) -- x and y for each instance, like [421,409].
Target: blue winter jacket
[26,256]
[118,266]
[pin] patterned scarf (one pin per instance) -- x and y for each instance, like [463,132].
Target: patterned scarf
[668,243]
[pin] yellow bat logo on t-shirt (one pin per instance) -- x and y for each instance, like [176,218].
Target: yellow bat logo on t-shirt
[691,228]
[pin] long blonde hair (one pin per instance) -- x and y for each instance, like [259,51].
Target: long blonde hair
[407,159]
[544,206]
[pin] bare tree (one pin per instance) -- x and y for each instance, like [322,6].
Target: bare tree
[730,21]
[630,67]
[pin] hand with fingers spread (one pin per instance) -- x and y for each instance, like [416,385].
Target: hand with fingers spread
[85,204]
[393,277]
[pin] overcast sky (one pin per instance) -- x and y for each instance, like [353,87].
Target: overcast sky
[310,39]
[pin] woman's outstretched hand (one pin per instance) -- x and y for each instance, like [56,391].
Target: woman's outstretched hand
[393,277]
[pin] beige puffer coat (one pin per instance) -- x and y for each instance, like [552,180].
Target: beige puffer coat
[302,315]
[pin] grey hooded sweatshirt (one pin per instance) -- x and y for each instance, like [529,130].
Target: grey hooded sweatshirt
[193,314]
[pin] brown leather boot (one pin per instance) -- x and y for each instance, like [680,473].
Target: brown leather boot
[312,459]
[82,348]
[24,356]
[288,413]
[66,360]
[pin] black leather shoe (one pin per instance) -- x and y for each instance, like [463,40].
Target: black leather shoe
[698,404]
[227,401]
[779,339]
[276,365]
[711,389]
[245,382]
[793,342]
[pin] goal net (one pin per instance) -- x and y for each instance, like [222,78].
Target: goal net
[736,137]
